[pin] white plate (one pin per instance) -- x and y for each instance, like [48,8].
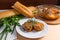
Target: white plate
[32,34]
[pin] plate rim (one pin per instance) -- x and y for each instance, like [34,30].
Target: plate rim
[33,37]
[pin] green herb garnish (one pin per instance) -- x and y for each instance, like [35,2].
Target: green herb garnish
[32,22]
[7,23]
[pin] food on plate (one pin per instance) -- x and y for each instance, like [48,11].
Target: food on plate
[51,16]
[32,25]
[27,26]
[48,12]
[38,26]
[23,10]
[32,28]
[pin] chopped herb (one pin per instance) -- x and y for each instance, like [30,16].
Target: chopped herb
[32,22]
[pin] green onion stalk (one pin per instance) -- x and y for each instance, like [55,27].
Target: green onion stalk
[7,23]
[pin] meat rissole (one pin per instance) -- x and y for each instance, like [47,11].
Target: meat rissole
[29,26]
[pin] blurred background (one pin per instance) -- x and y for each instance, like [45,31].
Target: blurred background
[6,4]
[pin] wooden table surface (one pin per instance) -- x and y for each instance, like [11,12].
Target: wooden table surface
[53,34]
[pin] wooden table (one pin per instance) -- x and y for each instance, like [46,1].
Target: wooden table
[53,34]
